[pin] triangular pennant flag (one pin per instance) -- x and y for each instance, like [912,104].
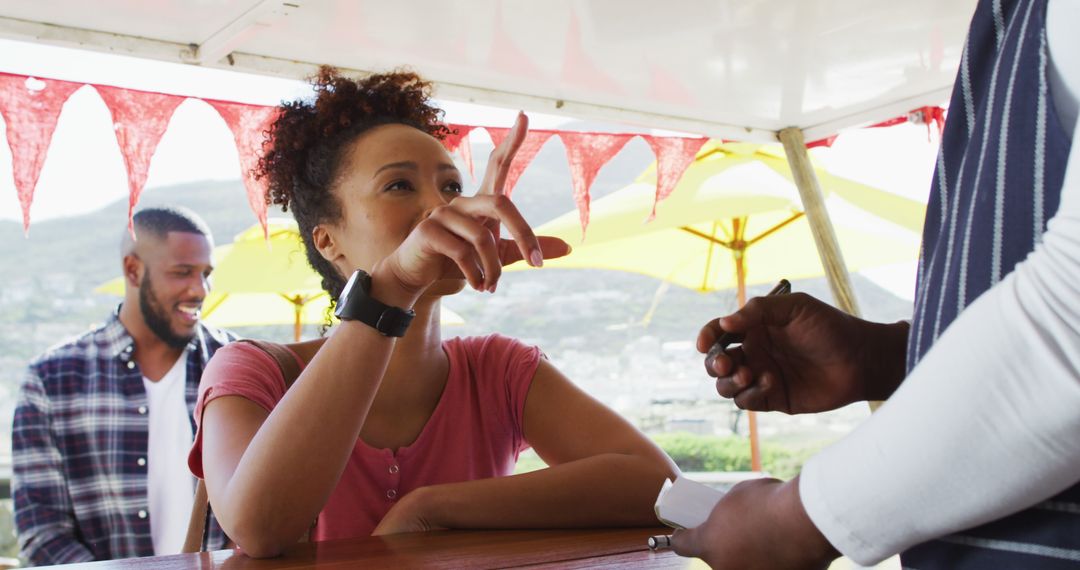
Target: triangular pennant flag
[497,134]
[586,154]
[465,150]
[30,108]
[458,140]
[934,115]
[530,147]
[139,120]
[249,124]
[534,141]
[457,133]
[920,116]
[826,142]
[890,122]
[673,156]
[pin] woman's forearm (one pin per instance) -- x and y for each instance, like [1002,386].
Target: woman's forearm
[294,460]
[603,490]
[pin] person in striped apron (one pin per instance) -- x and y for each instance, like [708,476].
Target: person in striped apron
[974,462]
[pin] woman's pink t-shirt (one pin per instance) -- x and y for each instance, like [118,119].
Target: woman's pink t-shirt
[475,431]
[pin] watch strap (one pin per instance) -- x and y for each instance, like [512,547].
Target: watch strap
[357,304]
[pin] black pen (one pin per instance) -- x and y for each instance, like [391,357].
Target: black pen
[728,338]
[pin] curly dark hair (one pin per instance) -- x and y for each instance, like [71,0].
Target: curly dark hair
[303,147]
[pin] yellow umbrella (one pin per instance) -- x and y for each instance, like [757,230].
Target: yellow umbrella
[265,282]
[735,219]
[251,309]
[254,264]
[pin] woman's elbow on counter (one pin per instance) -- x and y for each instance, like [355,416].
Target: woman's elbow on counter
[258,545]
[259,536]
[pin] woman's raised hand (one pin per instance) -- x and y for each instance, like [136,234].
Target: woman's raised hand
[462,238]
[494,184]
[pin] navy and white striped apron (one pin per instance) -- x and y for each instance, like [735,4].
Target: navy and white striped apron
[998,180]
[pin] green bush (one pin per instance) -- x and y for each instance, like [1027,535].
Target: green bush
[693,452]
[529,461]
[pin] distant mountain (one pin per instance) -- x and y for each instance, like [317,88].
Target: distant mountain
[88,247]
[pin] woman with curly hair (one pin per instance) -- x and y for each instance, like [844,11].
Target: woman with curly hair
[390,428]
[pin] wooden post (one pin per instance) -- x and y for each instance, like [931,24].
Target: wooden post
[814,203]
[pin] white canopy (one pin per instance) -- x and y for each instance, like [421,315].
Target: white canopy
[735,69]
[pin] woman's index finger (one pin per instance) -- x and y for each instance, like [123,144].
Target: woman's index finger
[503,155]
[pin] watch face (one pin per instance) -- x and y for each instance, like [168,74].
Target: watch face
[348,287]
[343,299]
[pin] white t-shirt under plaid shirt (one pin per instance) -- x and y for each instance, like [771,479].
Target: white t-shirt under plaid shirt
[170,485]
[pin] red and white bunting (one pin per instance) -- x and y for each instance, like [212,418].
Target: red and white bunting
[935,115]
[30,108]
[826,142]
[920,116]
[465,150]
[673,156]
[534,141]
[249,124]
[459,140]
[457,134]
[139,121]
[587,153]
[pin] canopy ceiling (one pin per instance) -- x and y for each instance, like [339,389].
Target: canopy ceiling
[734,69]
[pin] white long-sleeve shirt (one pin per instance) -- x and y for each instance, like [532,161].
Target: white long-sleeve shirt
[988,423]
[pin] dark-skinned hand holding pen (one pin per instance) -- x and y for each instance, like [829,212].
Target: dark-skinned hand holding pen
[800,355]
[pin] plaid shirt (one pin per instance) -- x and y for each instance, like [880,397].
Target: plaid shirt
[79,443]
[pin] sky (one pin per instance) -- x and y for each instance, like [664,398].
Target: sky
[84,169]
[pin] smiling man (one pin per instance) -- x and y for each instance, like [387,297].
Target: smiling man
[103,425]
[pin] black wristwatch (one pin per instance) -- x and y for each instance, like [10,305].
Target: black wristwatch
[357,304]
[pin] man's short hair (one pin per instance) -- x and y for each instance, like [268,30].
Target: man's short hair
[158,222]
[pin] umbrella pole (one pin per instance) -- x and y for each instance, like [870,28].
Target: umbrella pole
[740,276]
[738,251]
[818,217]
[751,416]
[298,308]
[820,226]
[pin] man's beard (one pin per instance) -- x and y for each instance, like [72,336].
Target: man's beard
[156,316]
